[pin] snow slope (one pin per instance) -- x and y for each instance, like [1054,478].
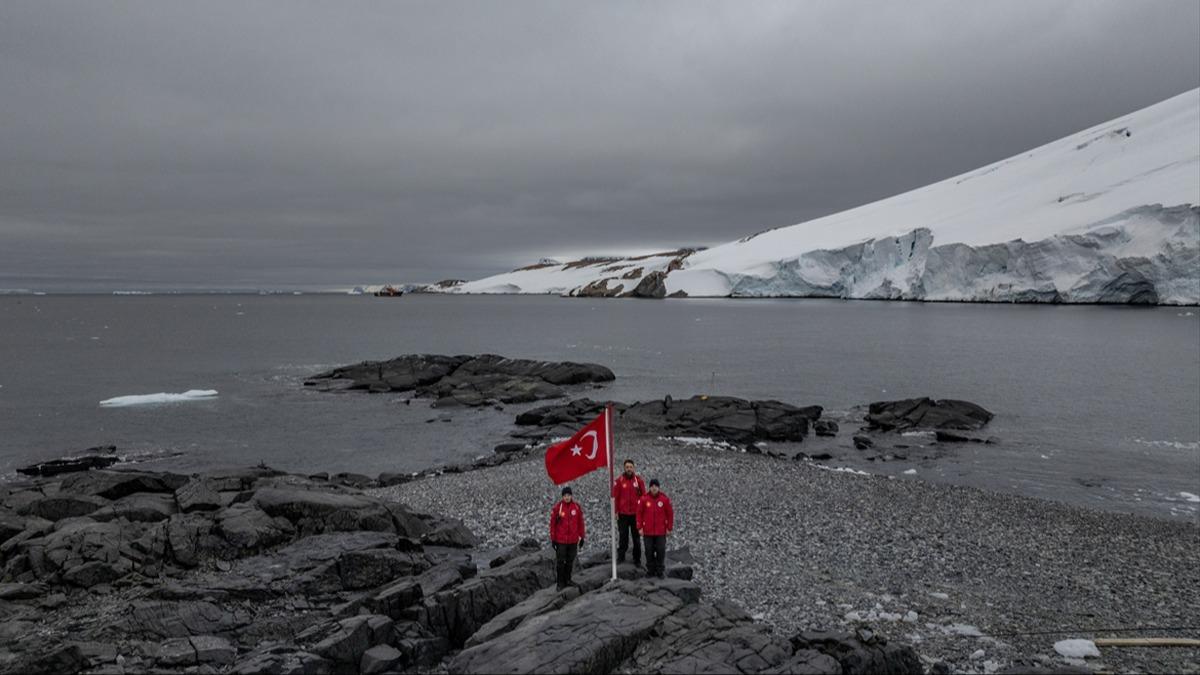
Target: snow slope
[1110,214]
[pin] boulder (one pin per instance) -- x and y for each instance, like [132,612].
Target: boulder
[198,495]
[314,511]
[861,654]
[112,484]
[722,418]
[142,507]
[249,529]
[10,526]
[63,505]
[349,639]
[17,591]
[457,612]
[452,533]
[379,659]
[825,428]
[926,413]
[863,443]
[594,634]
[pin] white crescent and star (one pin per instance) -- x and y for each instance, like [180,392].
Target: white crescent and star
[577,450]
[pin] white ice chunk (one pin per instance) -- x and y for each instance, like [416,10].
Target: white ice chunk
[1187,496]
[1076,648]
[161,397]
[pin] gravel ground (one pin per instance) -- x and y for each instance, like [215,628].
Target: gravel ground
[804,547]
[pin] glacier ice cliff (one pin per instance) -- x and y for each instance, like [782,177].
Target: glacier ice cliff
[1146,255]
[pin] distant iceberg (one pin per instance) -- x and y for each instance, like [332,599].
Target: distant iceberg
[161,397]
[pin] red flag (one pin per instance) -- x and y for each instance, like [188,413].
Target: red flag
[586,451]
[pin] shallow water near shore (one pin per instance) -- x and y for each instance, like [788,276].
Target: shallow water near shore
[1098,406]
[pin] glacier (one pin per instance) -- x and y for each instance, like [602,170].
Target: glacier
[1107,215]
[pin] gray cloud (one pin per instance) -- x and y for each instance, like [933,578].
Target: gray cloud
[244,144]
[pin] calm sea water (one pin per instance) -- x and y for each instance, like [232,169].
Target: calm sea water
[1095,405]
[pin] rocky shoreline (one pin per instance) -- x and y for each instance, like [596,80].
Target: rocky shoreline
[257,571]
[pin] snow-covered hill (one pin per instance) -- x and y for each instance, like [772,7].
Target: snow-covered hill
[1110,214]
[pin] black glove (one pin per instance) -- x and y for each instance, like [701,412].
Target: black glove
[581,543]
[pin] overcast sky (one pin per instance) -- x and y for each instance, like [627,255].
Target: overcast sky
[213,144]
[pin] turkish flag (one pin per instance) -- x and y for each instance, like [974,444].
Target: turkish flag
[586,451]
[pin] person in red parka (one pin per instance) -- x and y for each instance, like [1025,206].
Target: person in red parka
[627,489]
[655,520]
[566,535]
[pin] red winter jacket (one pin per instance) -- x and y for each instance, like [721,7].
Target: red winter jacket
[566,523]
[655,517]
[627,491]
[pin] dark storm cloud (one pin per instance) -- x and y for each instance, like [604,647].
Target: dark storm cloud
[243,144]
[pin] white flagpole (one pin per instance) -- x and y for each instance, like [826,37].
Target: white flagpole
[612,498]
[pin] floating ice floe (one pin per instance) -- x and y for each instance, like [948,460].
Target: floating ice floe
[910,472]
[1076,648]
[161,397]
[1189,497]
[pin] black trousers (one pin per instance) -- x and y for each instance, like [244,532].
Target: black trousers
[626,530]
[564,562]
[656,555]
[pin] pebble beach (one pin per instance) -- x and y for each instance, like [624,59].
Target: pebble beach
[978,580]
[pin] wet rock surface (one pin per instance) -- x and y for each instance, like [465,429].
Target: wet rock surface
[926,413]
[463,380]
[255,571]
[721,418]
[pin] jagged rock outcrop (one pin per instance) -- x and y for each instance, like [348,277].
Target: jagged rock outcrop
[723,418]
[291,574]
[926,413]
[653,285]
[463,380]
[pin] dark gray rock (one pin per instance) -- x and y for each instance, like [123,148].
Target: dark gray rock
[380,659]
[180,619]
[825,428]
[249,529]
[198,495]
[859,656]
[926,413]
[863,443]
[349,639]
[457,612]
[66,659]
[653,285]
[314,511]
[710,638]
[10,526]
[16,591]
[463,380]
[139,507]
[451,532]
[94,458]
[59,506]
[388,479]
[722,418]
[592,634]
[112,484]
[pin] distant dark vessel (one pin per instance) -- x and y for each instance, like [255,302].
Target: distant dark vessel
[388,292]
